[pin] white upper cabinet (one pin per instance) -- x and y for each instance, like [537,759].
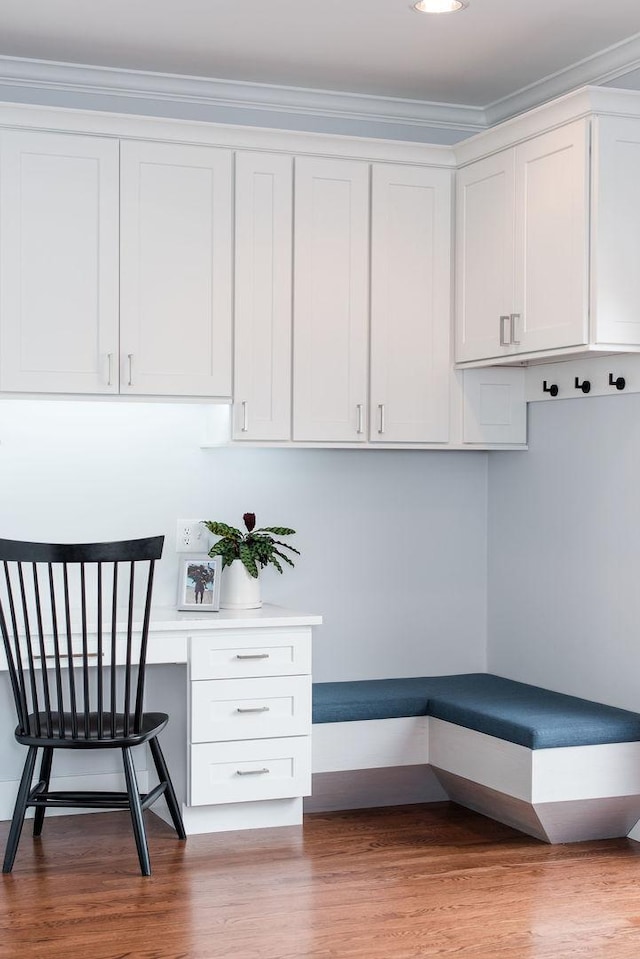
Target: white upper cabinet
[615,276]
[263,262]
[410,304]
[331,300]
[176,263]
[484,255]
[523,248]
[552,240]
[59,263]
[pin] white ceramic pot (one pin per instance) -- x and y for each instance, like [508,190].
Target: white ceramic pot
[239,590]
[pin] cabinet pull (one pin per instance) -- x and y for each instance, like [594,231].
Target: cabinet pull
[252,709]
[252,655]
[245,416]
[109,367]
[130,360]
[251,772]
[359,428]
[381,412]
[503,330]
[515,320]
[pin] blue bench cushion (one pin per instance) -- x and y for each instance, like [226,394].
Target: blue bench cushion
[522,714]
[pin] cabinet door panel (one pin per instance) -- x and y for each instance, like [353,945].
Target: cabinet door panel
[176,258]
[59,263]
[331,300]
[484,255]
[495,407]
[262,372]
[552,239]
[615,277]
[410,304]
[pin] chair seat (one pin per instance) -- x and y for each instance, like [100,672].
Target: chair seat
[152,724]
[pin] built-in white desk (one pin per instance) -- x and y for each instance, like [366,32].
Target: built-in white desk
[237,687]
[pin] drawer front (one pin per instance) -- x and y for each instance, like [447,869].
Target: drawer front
[229,709]
[250,771]
[230,654]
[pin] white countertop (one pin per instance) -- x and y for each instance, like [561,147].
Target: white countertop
[169,628]
[166,618]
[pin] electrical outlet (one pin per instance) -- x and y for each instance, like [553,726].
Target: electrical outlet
[190,536]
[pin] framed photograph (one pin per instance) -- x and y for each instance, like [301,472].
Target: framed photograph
[199,583]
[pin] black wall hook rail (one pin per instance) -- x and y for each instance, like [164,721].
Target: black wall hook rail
[619,382]
[585,386]
[553,389]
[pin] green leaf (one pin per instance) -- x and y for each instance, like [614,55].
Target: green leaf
[221,529]
[286,546]
[282,556]
[248,560]
[278,530]
[276,564]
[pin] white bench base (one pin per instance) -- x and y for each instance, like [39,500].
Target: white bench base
[557,795]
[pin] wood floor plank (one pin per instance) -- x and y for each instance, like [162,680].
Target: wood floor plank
[415,882]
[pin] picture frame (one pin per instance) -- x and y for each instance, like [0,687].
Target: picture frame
[199,583]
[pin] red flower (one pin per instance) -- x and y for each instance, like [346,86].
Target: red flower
[249,521]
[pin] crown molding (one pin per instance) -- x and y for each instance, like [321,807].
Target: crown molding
[265,104]
[138,86]
[602,67]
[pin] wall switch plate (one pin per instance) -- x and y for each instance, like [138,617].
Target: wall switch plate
[191,536]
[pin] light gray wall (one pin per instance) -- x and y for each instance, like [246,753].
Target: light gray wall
[564,551]
[393,543]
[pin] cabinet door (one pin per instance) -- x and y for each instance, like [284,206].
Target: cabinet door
[410,304]
[615,245]
[552,240]
[484,257]
[59,263]
[176,254]
[262,371]
[331,289]
[495,407]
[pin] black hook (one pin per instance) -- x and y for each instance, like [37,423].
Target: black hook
[553,389]
[585,386]
[619,383]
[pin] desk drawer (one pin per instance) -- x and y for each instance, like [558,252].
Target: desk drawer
[250,771]
[226,709]
[234,654]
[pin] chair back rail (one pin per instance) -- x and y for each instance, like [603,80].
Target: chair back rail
[62,613]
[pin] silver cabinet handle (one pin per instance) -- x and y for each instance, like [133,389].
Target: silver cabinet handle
[252,709]
[252,655]
[130,360]
[109,367]
[251,772]
[359,428]
[245,416]
[381,412]
[503,330]
[515,320]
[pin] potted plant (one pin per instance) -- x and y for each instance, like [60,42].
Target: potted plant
[243,555]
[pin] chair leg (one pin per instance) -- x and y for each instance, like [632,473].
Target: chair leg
[45,776]
[170,793]
[136,811]
[20,809]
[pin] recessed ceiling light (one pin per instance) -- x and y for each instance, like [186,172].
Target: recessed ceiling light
[439,6]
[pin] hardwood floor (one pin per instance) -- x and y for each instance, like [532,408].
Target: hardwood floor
[403,883]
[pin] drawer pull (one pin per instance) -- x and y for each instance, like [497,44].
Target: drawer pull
[251,772]
[252,709]
[252,655]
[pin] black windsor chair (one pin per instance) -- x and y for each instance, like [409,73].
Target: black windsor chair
[78,682]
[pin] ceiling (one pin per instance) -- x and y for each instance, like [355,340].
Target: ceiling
[377,47]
